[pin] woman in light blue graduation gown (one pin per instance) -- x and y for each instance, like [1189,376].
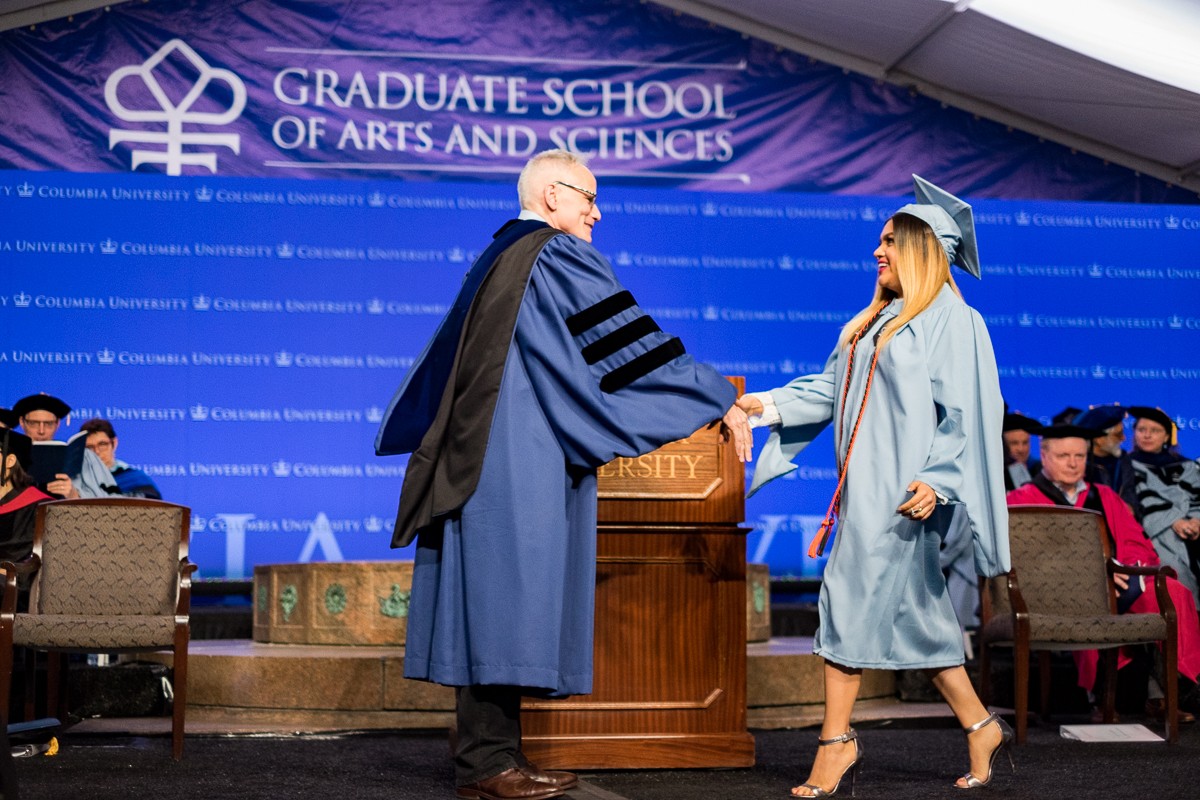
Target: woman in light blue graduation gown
[926,456]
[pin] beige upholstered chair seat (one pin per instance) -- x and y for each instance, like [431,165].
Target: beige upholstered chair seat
[92,634]
[1052,632]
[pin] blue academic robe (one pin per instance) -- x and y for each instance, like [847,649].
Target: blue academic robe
[934,415]
[503,587]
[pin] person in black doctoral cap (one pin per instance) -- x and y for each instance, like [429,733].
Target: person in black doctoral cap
[9,418]
[40,416]
[1164,492]
[19,498]
[1108,463]
[1019,468]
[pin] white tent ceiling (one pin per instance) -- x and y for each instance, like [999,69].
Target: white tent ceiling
[1114,78]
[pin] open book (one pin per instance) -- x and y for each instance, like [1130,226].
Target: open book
[53,458]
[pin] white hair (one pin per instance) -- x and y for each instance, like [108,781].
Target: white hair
[526,190]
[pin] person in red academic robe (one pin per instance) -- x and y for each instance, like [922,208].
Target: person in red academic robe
[1064,459]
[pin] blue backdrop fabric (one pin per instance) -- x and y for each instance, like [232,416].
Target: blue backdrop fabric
[246,334]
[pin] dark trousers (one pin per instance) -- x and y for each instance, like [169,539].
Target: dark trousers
[489,732]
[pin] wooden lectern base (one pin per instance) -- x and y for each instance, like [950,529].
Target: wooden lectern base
[670,665]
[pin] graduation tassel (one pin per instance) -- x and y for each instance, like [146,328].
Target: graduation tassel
[817,548]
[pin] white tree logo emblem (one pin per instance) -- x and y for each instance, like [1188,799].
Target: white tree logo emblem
[175,114]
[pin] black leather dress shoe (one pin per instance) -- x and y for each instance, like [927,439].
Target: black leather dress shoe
[512,784]
[563,780]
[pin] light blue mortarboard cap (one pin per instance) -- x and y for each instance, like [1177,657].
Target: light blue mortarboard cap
[951,221]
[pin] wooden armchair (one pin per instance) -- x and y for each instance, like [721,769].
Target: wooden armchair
[1060,596]
[106,575]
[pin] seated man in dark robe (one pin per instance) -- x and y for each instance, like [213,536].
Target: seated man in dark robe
[1064,459]
[1108,463]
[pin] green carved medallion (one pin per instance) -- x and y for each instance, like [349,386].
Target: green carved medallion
[335,598]
[287,601]
[759,598]
[394,605]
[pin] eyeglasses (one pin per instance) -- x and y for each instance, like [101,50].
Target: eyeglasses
[103,444]
[26,422]
[591,196]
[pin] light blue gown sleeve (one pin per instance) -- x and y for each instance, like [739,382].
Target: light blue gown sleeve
[805,407]
[608,381]
[966,462]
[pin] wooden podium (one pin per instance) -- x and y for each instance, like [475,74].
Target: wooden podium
[670,652]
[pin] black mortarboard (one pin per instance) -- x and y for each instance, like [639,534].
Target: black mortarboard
[19,445]
[1155,415]
[9,418]
[1065,431]
[1100,418]
[1020,422]
[41,402]
[1065,416]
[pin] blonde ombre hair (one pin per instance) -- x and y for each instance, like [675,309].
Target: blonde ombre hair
[922,269]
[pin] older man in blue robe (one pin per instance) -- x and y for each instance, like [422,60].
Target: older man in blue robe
[544,369]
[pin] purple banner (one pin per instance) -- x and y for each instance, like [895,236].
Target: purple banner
[470,89]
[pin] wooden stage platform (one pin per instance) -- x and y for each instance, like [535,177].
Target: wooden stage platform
[240,686]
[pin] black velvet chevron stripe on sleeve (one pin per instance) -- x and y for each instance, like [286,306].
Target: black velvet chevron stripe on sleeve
[593,315]
[622,337]
[644,364]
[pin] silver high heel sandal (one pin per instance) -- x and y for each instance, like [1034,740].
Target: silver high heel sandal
[852,768]
[1006,739]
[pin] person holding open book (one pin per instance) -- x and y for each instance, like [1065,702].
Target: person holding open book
[64,469]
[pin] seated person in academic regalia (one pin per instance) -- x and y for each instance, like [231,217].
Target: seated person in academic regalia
[1064,457]
[40,416]
[19,499]
[132,482]
[1019,468]
[1108,464]
[9,418]
[1164,491]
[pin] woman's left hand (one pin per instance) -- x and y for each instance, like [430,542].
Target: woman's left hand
[920,506]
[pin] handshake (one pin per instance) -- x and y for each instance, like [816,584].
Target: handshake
[735,425]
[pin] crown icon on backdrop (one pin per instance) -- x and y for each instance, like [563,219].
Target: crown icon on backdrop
[374,414]
[1171,221]
[373,523]
[199,523]
[456,255]
[283,359]
[204,194]
[868,214]
[108,246]
[712,313]
[1023,218]
[198,412]
[201,302]
[1098,372]
[281,469]
[709,209]
[376,199]
[787,366]
[22,300]
[1096,271]
[374,306]
[106,356]
[25,189]
[1025,319]
[285,250]
[1175,321]
[785,262]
